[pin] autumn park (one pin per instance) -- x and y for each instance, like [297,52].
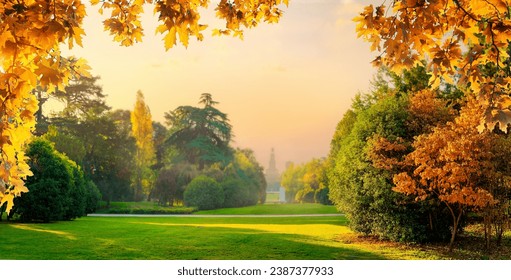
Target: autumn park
[416,166]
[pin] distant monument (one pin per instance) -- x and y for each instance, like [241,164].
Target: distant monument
[273,178]
[272,175]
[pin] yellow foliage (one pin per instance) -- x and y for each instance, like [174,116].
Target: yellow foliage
[142,130]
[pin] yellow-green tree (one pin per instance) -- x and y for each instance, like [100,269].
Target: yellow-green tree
[142,130]
[32,33]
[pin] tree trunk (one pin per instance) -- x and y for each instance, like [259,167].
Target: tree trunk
[456,222]
[430,222]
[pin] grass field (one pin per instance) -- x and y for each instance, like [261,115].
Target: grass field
[189,238]
[272,197]
[218,238]
[274,209]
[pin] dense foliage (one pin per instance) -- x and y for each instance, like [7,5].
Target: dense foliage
[102,145]
[57,190]
[408,164]
[463,40]
[199,143]
[201,135]
[171,183]
[306,182]
[362,188]
[129,157]
[204,193]
[458,163]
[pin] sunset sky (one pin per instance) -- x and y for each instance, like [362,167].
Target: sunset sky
[285,86]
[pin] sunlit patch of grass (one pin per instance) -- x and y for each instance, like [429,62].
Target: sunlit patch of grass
[316,230]
[34,228]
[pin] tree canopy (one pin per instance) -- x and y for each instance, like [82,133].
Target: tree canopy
[202,135]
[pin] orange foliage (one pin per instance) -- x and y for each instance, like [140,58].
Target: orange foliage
[451,163]
[458,37]
[386,154]
[426,111]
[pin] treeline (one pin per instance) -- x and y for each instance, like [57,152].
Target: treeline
[306,183]
[412,164]
[123,155]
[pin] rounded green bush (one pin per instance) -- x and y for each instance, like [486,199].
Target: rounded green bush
[236,193]
[204,193]
[57,190]
[47,199]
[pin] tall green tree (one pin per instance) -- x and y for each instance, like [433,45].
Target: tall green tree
[142,131]
[201,134]
[161,151]
[244,182]
[82,97]
[97,139]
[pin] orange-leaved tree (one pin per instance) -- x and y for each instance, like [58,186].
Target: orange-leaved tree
[466,39]
[452,164]
[32,33]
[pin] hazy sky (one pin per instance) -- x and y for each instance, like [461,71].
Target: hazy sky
[285,86]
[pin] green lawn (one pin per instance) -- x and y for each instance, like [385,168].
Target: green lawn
[190,238]
[260,209]
[274,209]
[272,197]
[221,238]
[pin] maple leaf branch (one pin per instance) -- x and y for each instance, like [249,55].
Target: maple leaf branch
[494,44]
[457,2]
[495,7]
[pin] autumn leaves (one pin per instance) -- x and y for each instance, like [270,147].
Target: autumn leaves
[179,19]
[457,37]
